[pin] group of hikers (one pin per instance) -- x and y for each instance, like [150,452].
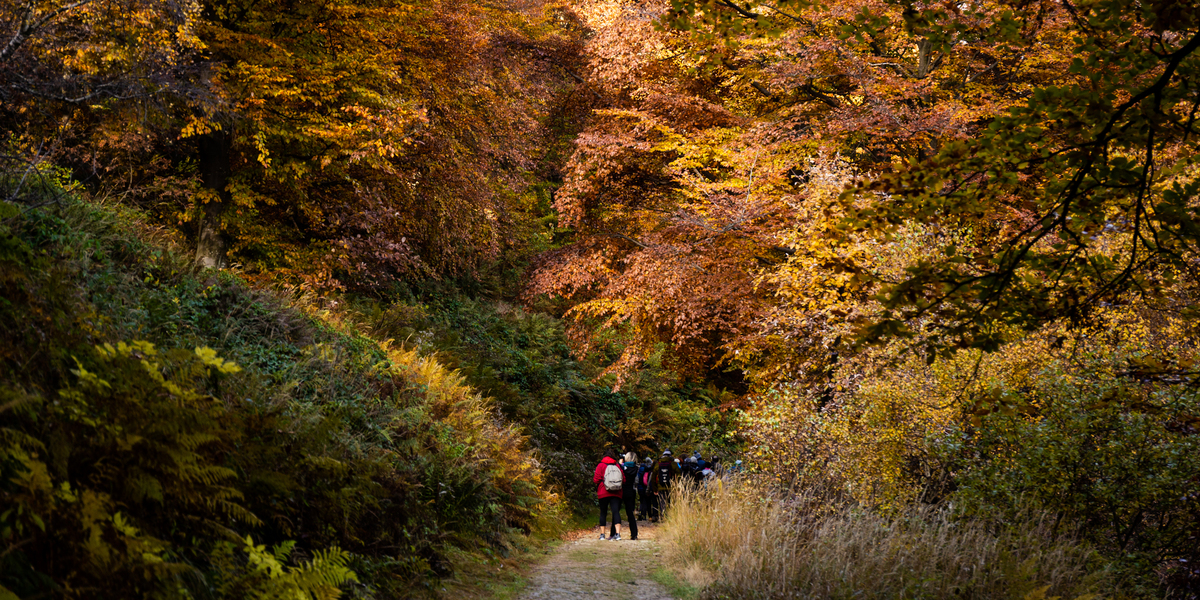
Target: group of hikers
[622,483]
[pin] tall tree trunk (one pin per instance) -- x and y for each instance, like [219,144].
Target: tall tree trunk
[923,58]
[212,243]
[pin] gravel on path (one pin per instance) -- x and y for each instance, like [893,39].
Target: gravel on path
[593,569]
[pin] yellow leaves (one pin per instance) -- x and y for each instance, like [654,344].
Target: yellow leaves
[122,526]
[198,126]
[1042,594]
[138,349]
[260,144]
[33,476]
[617,309]
[111,37]
[209,357]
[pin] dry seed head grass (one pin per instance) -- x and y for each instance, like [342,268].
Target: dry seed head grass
[741,539]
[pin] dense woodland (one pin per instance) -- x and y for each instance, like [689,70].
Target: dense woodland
[321,299]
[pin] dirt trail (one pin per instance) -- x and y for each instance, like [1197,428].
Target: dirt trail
[587,567]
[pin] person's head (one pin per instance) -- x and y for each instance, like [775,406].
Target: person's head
[630,457]
[697,455]
[612,453]
[649,460]
[666,454]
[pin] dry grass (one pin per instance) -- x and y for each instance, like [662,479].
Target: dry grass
[739,539]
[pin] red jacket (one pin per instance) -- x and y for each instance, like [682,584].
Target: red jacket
[601,492]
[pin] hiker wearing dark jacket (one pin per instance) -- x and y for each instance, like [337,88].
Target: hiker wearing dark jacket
[643,487]
[696,469]
[629,491]
[666,472]
[609,494]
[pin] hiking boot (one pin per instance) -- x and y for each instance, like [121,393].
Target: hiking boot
[616,538]
[602,537]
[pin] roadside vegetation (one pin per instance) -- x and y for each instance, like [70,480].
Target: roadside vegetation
[139,460]
[745,539]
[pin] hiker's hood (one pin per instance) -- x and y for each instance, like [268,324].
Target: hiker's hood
[608,460]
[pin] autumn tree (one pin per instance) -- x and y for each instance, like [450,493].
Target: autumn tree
[720,131]
[375,139]
[334,143]
[1013,166]
[662,218]
[1089,186]
[68,67]
[91,51]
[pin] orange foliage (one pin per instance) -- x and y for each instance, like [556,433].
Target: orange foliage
[700,197]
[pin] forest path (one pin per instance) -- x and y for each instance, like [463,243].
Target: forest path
[587,567]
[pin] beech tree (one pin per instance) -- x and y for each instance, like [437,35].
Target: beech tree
[330,143]
[722,128]
[1099,171]
[99,61]
[339,125]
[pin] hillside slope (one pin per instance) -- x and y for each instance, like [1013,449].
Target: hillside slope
[169,432]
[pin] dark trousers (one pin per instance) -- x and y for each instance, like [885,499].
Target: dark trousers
[644,506]
[610,504]
[652,507]
[629,500]
[662,499]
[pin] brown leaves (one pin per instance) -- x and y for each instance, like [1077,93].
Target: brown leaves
[707,184]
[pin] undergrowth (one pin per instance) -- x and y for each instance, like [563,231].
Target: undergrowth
[167,432]
[741,538]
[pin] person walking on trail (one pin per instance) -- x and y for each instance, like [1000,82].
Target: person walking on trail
[689,468]
[610,485]
[643,487]
[666,471]
[629,491]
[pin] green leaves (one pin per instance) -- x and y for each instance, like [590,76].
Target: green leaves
[269,577]
[1089,169]
[235,414]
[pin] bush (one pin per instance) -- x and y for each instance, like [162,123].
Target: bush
[1095,426]
[1112,452]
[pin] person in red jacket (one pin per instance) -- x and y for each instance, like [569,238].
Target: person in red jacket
[609,485]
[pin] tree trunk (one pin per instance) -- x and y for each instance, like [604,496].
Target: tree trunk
[923,59]
[212,243]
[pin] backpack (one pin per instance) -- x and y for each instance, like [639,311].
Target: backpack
[613,479]
[646,478]
[664,474]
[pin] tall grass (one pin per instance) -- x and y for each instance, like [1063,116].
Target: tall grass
[741,539]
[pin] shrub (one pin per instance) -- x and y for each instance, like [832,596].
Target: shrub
[1094,425]
[1106,449]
